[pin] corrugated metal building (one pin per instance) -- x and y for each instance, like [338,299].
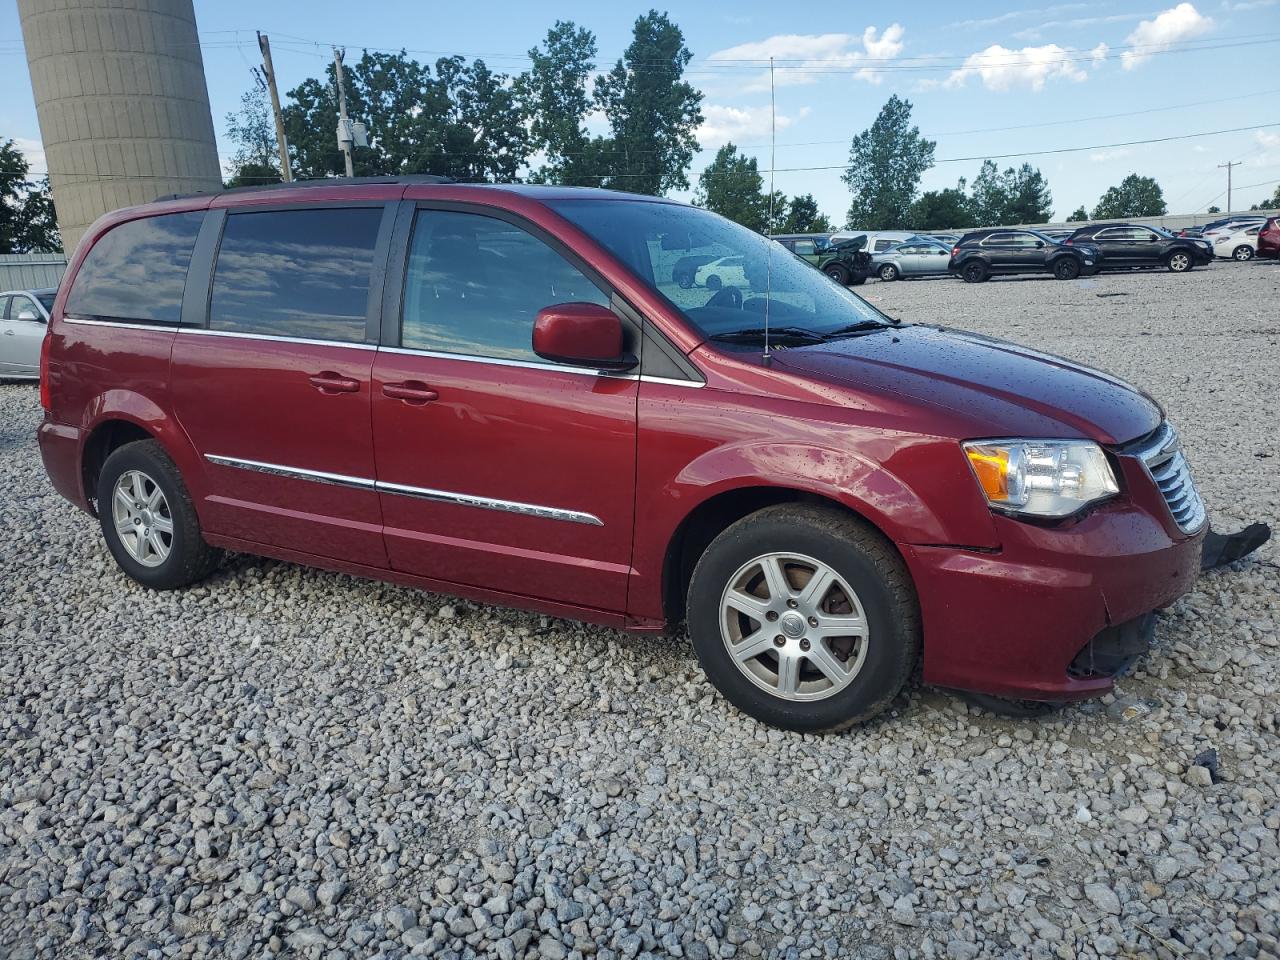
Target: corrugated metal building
[31,271]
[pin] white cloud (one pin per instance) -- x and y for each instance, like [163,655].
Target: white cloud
[1034,33]
[1169,27]
[33,152]
[1099,53]
[1270,144]
[1242,5]
[1003,69]
[1102,156]
[802,58]
[721,124]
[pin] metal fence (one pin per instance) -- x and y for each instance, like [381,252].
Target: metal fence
[31,271]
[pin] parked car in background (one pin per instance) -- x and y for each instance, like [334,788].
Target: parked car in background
[1228,229]
[846,261]
[1200,230]
[949,239]
[23,318]
[995,252]
[335,374]
[877,240]
[806,246]
[685,270]
[1269,240]
[1057,234]
[915,258]
[1128,245]
[1240,245]
[723,271]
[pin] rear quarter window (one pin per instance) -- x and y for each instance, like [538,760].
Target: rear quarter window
[137,271]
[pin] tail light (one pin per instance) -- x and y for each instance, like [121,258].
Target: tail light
[955,251]
[1068,242]
[46,400]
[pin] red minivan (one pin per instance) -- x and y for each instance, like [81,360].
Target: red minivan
[501,392]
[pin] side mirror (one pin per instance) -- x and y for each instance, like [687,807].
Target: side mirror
[585,334]
[1039,244]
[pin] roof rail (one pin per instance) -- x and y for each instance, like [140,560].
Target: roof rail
[406,178]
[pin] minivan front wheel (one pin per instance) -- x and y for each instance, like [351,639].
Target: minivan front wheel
[804,617]
[148,520]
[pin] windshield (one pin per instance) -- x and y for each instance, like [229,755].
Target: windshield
[717,274]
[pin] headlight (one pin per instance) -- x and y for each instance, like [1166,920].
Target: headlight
[1042,478]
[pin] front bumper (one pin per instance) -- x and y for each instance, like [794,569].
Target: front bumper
[1016,622]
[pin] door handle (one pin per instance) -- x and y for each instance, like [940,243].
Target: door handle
[411,391]
[330,382]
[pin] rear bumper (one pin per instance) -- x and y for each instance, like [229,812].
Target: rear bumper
[60,451]
[1050,615]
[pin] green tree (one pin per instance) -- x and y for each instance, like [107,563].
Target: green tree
[1271,203]
[1134,196]
[886,162]
[652,112]
[942,210]
[463,120]
[1018,195]
[732,187]
[1214,210]
[555,97]
[253,131]
[28,223]
[1079,215]
[803,216]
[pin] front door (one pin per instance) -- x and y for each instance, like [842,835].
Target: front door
[1118,246]
[497,469]
[274,389]
[20,336]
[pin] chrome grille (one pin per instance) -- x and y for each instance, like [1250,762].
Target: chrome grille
[1162,455]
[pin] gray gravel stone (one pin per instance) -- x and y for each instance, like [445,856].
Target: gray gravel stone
[175,766]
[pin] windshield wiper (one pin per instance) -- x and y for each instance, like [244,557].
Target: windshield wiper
[862,326]
[752,334]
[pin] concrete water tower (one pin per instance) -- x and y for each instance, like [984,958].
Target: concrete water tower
[124,111]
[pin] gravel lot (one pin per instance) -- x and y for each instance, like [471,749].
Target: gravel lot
[289,762]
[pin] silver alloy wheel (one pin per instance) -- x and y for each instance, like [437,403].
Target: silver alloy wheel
[1179,262]
[888,272]
[1243,253]
[793,626]
[142,518]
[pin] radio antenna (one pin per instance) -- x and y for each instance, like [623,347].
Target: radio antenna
[773,155]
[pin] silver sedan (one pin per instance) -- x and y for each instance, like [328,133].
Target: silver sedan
[915,258]
[24,315]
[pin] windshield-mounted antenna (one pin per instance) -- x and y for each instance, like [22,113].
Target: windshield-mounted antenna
[768,261]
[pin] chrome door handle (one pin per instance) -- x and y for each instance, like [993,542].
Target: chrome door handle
[411,391]
[330,382]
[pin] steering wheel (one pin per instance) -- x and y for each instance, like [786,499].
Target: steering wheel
[730,297]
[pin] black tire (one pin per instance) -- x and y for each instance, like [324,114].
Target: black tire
[685,280]
[837,272]
[1179,261]
[189,558]
[1067,268]
[1242,253]
[975,271]
[714,282]
[888,272]
[860,555]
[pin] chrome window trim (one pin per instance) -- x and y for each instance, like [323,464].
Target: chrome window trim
[273,338]
[538,365]
[120,324]
[422,493]
[296,473]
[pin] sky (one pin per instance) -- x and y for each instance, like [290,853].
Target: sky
[985,80]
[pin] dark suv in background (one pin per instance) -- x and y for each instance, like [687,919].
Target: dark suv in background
[989,253]
[1124,245]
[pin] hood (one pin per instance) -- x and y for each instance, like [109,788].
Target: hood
[999,388]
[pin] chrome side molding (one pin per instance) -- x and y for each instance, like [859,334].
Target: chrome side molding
[404,490]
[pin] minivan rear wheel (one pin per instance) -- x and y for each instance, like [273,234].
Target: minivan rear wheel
[804,617]
[148,520]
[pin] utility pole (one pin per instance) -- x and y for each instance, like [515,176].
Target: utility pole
[1229,165]
[344,128]
[264,44]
